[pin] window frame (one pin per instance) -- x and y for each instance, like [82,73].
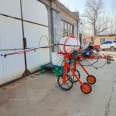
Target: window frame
[68,28]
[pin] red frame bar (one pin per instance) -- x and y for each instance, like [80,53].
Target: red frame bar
[85,70]
[66,66]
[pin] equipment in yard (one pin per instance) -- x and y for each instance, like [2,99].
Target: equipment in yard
[73,56]
[65,81]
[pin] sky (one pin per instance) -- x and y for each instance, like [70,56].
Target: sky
[79,5]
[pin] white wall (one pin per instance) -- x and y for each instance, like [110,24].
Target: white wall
[10,7]
[12,67]
[35,11]
[36,34]
[10,37]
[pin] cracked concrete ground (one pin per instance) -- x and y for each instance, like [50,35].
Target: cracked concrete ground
[39,95]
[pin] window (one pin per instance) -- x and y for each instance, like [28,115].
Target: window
[68,29]
[65,30]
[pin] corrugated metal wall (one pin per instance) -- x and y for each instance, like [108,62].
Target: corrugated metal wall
[36,34]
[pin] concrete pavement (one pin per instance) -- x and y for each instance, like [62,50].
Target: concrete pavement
[39,95]
[113,54]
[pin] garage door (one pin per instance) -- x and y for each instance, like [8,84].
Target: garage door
[11,67]
[36,32]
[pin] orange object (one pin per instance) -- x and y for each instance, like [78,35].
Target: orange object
[91,79]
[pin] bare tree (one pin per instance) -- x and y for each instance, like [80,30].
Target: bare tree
[114,16]
[94,13]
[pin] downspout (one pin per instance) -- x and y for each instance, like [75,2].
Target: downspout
[77,29]
[51,23]
[80,38]
[50,27]
[26,72]
[80,35]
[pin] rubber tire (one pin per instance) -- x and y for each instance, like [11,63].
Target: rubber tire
[89,88]
[94,79]
[63,88]
[73,78]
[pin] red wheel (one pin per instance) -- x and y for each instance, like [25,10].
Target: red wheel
[86,88]
[91,79]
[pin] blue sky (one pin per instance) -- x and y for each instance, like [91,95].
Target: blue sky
[78,5]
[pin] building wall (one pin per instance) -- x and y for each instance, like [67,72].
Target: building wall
[36,32]
[10,37]
[100,39]
[86,39]
[36,35]
[58,19]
